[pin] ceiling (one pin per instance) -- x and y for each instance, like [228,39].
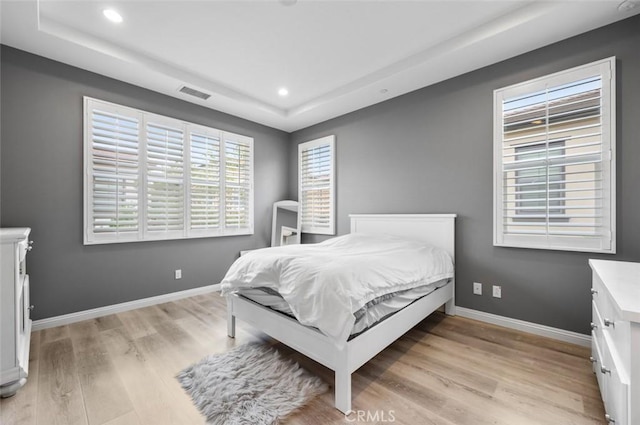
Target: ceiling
[334,57]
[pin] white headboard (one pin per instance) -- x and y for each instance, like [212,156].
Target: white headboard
[434,229]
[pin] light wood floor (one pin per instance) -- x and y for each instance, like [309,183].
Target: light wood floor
[120,370]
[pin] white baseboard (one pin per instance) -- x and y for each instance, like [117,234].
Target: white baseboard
[67,319]
[521,325]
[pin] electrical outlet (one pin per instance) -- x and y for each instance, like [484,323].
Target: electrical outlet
[497,291]
[178,274]
[477,288]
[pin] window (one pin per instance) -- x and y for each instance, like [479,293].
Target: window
[531,184]
[150,177]
[316,185]
[554,173]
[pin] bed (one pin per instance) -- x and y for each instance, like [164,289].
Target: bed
[434,229]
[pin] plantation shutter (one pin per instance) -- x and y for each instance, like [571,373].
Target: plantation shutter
[165,178]
[316,184]
[238,182]
[151,177]
[113,179]
[205,181]
[554,168]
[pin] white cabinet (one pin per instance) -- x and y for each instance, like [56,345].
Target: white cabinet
[15,323]
[616,338]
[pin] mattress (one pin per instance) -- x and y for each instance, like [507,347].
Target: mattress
[368,316]
[326,283]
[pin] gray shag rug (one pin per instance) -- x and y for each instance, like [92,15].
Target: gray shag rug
[250,385]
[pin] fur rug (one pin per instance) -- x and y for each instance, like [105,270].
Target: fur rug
[250,385]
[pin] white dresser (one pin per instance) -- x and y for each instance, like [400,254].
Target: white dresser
[15,323]
[616,338]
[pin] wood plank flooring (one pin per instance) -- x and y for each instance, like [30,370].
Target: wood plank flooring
[120,370]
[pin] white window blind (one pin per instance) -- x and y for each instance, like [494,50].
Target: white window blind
[238,181]
[149,177]
[114,183]
[165,179]
[205,181]
[316,185]
[554,167]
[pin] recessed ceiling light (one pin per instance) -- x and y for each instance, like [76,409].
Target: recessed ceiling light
[283,92]
[383,91]
[112,15]
[627,5]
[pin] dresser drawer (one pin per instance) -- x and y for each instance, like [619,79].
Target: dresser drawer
[608,321]
[616,389]
[26,304]
[597,326]
[610,372]
[597,360]
[22,250]
[603,301]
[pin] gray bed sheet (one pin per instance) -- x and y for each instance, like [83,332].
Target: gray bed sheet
[368,316]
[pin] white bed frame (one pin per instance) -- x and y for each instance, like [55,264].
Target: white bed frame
[435,229]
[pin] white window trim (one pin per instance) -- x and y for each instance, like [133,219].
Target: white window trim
[607,243]
[323,141]
[143,235]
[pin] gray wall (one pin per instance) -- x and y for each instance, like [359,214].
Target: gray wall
[430,151]
[41,188]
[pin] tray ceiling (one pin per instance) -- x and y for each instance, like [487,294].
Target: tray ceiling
[333,57]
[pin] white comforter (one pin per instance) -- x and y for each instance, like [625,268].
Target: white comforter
[326,283]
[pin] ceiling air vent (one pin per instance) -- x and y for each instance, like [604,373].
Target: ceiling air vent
[194,92]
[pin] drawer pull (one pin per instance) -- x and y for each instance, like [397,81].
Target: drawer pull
[593,359]
[29,248]
[593,326]
[609,419]
[608,322]
[594,291]
[604,370]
